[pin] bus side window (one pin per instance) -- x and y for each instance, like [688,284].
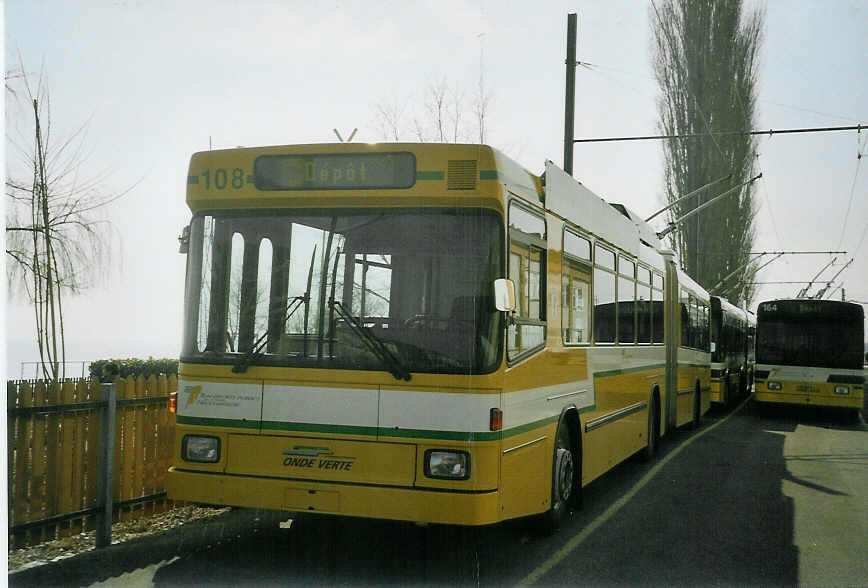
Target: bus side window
[685,319]
[575,284]
[575,289]
[604,295]
[626,301]
[657,308]
[643,314]
[527,269]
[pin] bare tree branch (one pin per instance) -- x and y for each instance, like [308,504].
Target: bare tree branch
[54,243]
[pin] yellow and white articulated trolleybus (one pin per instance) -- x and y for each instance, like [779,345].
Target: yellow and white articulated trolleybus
[422,332]
[810,353]
[731,353]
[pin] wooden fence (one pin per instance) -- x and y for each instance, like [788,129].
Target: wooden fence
[53,454]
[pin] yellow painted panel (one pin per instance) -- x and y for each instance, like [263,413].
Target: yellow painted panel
[320,459]
[408,504]
[526,474]
[309,499]
[476,384]
[548,368]
[809,393]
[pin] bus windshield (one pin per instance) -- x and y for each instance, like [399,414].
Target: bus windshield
[400,291]
[811,340]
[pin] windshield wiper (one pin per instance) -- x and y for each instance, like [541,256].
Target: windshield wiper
[374,343]
[294,305]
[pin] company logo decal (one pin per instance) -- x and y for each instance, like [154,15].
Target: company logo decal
[194,392]
[321,458]
[226,398]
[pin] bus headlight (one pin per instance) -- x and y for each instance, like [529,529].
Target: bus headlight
[842,389]
[200,449]
[447,464]
[774,385]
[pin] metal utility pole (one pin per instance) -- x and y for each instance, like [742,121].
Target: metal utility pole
[570,102]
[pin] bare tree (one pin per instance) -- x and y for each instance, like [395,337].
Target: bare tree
[390,118]
[440,117]
[55,241]
[706,61]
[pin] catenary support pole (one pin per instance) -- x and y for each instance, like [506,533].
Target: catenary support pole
[570,102]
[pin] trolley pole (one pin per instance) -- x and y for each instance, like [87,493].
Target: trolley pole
[570,102]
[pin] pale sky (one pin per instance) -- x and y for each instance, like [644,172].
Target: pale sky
[157,79]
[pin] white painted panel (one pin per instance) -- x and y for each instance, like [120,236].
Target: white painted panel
[570,199]
[320,405]
[535,404]
[240,401]
[818,375]
[436,411]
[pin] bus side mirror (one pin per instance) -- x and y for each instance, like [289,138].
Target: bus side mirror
[504,294]
[184,240]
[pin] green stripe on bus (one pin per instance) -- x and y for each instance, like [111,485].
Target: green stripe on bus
[316,428]
[610,373]
[441,435]
[488,174]
[212,422]
[540,423]
[430,175]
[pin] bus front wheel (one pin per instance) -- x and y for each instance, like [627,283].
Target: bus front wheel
[564,468]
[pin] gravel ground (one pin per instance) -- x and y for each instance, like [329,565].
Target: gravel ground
[139,548]
[122,532]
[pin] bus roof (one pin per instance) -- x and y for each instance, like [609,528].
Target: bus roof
[350,174]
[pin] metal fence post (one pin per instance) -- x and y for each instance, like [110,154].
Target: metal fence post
[106,467]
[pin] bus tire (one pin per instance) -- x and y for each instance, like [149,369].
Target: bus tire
[697,409]
[564,471]
[653,430]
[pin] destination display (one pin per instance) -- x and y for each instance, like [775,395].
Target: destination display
[335,171]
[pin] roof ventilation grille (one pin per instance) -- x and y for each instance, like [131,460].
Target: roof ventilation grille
[461,174]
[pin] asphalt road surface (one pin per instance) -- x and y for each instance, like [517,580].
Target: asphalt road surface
[772,498]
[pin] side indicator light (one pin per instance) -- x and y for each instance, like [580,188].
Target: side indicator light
[495,419]
[173,403]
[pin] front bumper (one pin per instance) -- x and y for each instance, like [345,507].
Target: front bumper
[370,501]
